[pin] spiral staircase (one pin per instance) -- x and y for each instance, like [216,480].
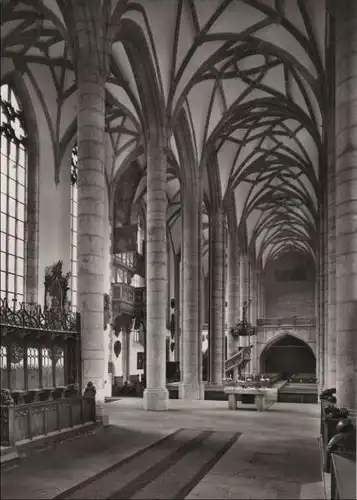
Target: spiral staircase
[239,360]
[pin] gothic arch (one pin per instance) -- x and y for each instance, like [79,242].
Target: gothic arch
[298,357]
[281,334]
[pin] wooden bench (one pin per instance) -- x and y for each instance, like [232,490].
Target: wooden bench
[343,477]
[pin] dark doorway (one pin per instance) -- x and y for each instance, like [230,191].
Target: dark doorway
[288,355]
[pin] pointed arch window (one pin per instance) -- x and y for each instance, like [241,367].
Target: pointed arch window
[74,234]
[13,197]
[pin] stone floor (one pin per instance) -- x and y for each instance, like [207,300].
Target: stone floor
[195,450]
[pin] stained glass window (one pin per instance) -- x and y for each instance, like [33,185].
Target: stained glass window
[13,193]
[74,238]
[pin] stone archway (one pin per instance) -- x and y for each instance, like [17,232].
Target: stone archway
[287,354]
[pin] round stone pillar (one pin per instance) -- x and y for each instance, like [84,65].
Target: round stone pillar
[256,298]
[91,202]
[156,395]
[346,204]
[177,305]
[125,334]
[323,346]
[191,315]
[262,298]
[243,281]
[217,300]
[317,316]
[233,307]
[331,247]
[258,293]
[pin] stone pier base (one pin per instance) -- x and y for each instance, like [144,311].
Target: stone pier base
[192,392]
[156,399]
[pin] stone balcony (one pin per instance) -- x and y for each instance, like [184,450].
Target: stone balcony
[126,298]
[288,321]
[131,261]
[123,293]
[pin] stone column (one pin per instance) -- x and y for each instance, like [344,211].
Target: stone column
[322,345]
[242,282]
[258,293]
[346,205]
[249,291]
[331,310]
[254,303]
[317,316]
[125,335]
[191,241]
[325,297]
[156,395]
[217,301]
[200,242]
[321,284]
[181,311]
[257,316]
[177,306]
[251,311]
[262,298]
[244,291]
[233,307]
[91,75]
[203,312]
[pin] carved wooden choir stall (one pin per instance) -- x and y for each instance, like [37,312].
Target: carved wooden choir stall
[41,365]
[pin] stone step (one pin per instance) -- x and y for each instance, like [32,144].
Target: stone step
[8,454]
[312,491]
[171,467]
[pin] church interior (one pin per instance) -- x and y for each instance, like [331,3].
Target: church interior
[178,280]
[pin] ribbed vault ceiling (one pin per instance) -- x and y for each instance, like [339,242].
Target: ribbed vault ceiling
[249,75]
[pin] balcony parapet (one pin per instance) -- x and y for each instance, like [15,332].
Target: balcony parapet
[131,261]
[123,293]
[288,321]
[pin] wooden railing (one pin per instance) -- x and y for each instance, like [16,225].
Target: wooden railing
[288,321]
[27,421]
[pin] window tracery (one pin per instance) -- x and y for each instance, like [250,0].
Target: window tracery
[13,194]
[74,234]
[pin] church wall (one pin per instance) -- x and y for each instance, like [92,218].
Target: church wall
[54,201]
[135,348]
[288,292]
[287,295]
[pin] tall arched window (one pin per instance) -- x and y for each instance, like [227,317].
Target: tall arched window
[13,192]
[140,235]
[74,238]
